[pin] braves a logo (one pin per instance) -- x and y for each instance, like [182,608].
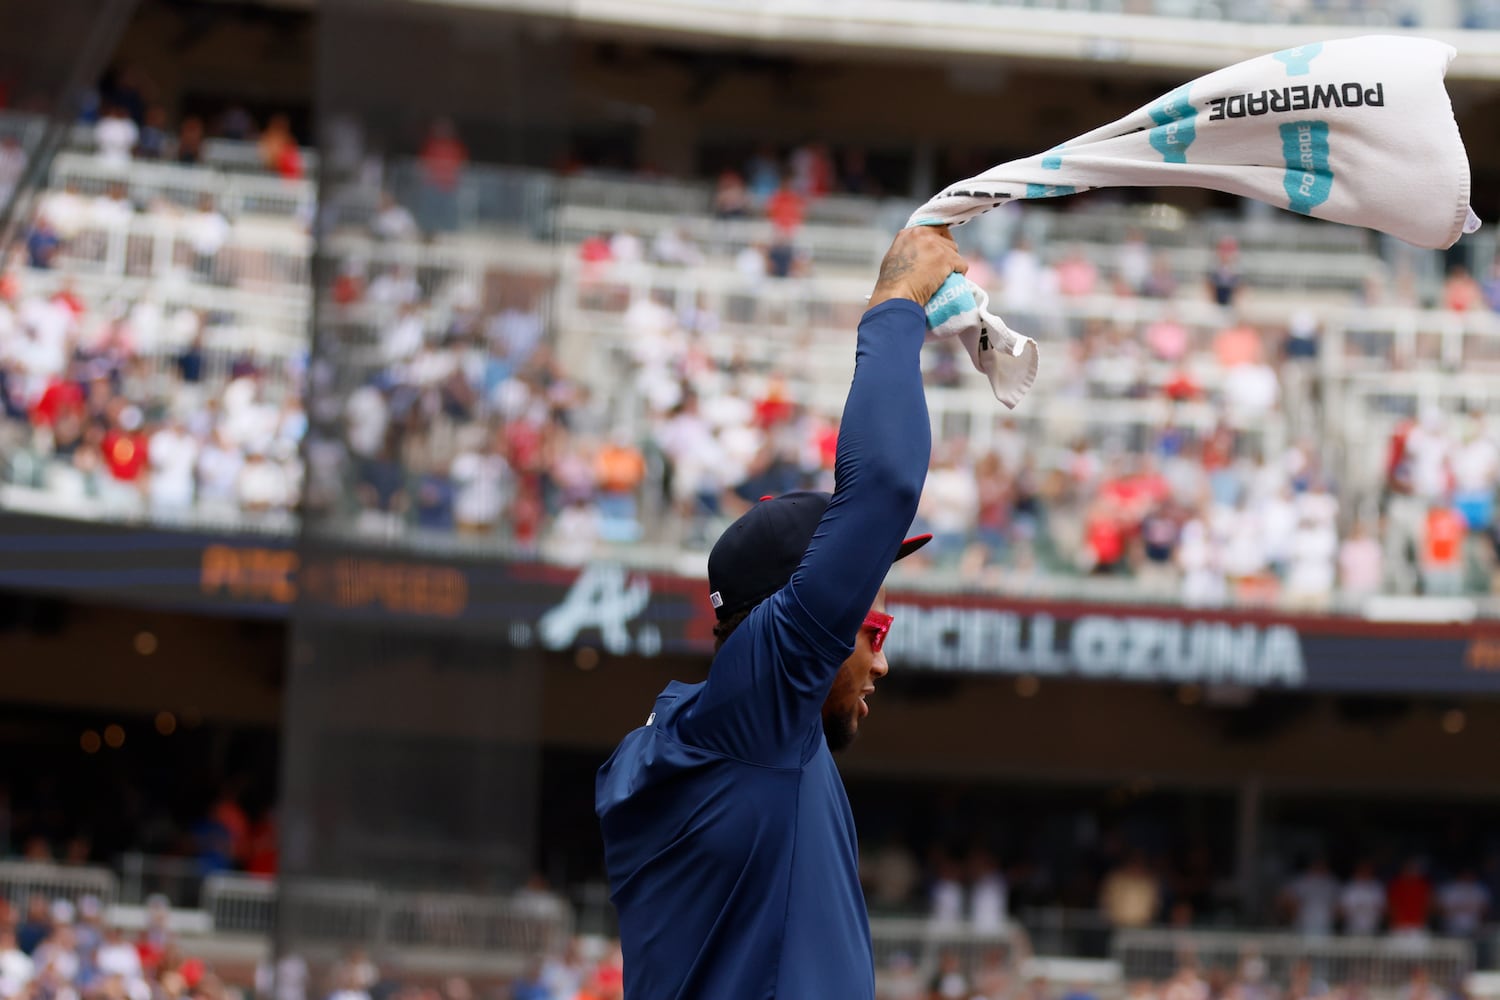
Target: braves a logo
[601,598]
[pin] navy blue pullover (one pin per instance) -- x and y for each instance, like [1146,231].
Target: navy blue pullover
[728,838]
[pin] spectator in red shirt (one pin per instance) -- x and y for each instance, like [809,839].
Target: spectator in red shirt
[1180,387]
[278,149]
[786,210]
[1409,899]
[775,406]
[124,447]
[67,297]
[1442,550]
[62,396]
[229,814]
[444,157]
[1461,293]
[1105,537]
[595,249]
[828,443]
[261,856]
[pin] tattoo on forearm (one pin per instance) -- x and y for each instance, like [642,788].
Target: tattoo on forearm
[897,265]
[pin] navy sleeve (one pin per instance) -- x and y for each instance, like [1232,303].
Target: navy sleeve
[885,444]
[766,688]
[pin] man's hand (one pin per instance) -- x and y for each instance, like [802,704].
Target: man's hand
[918,262]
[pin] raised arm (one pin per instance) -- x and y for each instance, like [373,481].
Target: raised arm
[767,686]
[885,440]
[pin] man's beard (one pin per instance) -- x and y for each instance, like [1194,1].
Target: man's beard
[840,729]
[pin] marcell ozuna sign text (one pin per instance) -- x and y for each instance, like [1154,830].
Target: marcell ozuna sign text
[1100,647]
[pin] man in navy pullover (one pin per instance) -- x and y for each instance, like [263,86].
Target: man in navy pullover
[728,837]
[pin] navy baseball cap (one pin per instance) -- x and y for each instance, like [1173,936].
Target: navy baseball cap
[757,554]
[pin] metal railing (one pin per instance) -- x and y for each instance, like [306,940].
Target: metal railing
[240,905]
[336,912]
[146,181]
[142,876]
[159,246]
[1070,931]
[847,246]
[20,880]
[924,939]
[1379,963]
[243,155]
[268,324]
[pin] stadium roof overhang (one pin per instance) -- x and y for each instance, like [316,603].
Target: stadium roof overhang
[941,30]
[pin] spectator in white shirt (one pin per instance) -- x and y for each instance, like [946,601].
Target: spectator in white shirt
[1429,449]
[366,417]
[1251,390]
[118,957]
[750,264]
[116,137]
[1313,899]
[1024,281]
[263,483]
[402,339]
[1311,575]
[1203,582]
[219,465]
[393,222]
[947,894]
[288,977]
[112,210]
[207,232]
[1362,903]
[1463,904]
[480,481]
[60,954]
[989,894]
[674,247]
[173,455]
[67,210]
[626,248]
[15,965]
[1476,471]
[394,287]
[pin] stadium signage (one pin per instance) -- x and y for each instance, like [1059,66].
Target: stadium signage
[628,613]
[1096,646]
[348,583]
[603,598]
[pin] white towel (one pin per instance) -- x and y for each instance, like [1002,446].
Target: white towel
[960,309]
[1359,131]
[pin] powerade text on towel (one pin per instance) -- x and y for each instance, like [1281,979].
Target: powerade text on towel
[1354,130]
[729,842]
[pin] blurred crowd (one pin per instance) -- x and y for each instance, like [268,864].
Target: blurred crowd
[464,419]
[1249,979]
[1203,514]
[1408,897]
[173,827]
[983,921]
[584,968]
[130,411]
[59,950]
[131,122]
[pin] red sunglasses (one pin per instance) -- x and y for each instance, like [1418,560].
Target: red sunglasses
[879,623]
